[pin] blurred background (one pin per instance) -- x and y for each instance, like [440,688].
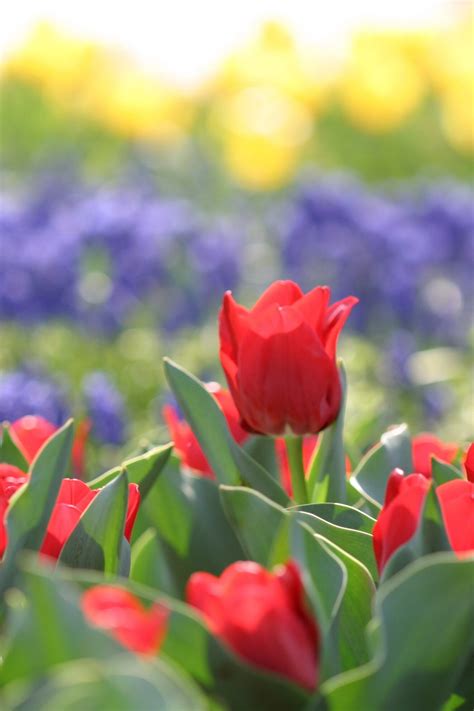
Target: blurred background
[152,157]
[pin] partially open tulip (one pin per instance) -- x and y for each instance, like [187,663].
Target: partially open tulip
[403,505]
[185,441]
[469,463]
[11,478]
[30,433]
[123,616]
[262,617]
[73,499]
[425,446]
[279,358]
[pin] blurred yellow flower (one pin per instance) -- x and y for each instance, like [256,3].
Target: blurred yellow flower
[382,83]
[273,59]
[452,73]
[262,132]
[59,64]
[136,105]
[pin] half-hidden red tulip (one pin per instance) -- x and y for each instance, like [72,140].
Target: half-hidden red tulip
[73,499]
[123,616]
[398,520]
[400,516]
[425,446]
[309,446]
[30,433]
[456,499]
[262,617]
[11,478]
[185,441]
[279,358]
[469,463]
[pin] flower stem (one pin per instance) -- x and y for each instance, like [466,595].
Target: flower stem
[294,448]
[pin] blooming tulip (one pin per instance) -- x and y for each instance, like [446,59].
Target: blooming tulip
[30,433]
[425,446]
[73,499]
[403,505]
[124,617]
[279,358]
[11,478]
[469,463]
[185,441]
[262,617]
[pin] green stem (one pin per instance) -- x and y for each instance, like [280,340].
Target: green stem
[294,448]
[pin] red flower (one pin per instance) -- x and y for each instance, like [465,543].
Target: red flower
[279,358]
[456,499]
[262,617]
[398,520]
[124,617]
[30,433]
[425,446]
[469,463]
[400,515]
[11,478]
[73,499]
[185,441]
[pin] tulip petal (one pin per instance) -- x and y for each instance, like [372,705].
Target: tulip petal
[313,306]
[285,379]
[132,509]
[336,317]
[456,499]
[281,293]
[232,325]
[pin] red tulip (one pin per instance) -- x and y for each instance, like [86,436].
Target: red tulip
[262,617]
[124,617]
[73,499]
[469,463]
[456,499]
[398,520]
[400,515]
[30,433]
[185,441]
[425,446]
[11,478]
[279,358]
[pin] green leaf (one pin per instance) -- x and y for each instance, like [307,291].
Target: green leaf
[340,515]
[426,617]
[96,541]
[262,450]
[261,525]
[430,537]
[228,461]
[355,612]
[370,477]
[327,476]
[118,685]
[31,507]
[143,469]
[442,472]
[356,543]
[193,530]
[149,565]
[9,452]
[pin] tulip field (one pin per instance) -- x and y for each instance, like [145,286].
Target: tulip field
[236,391]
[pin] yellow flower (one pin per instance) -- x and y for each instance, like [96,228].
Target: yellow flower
[382,84]
[59,64]
[136,105]
[262,132]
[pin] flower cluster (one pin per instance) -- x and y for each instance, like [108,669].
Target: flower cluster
[408,256]
[95,256]
[251,589]
[30,391]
